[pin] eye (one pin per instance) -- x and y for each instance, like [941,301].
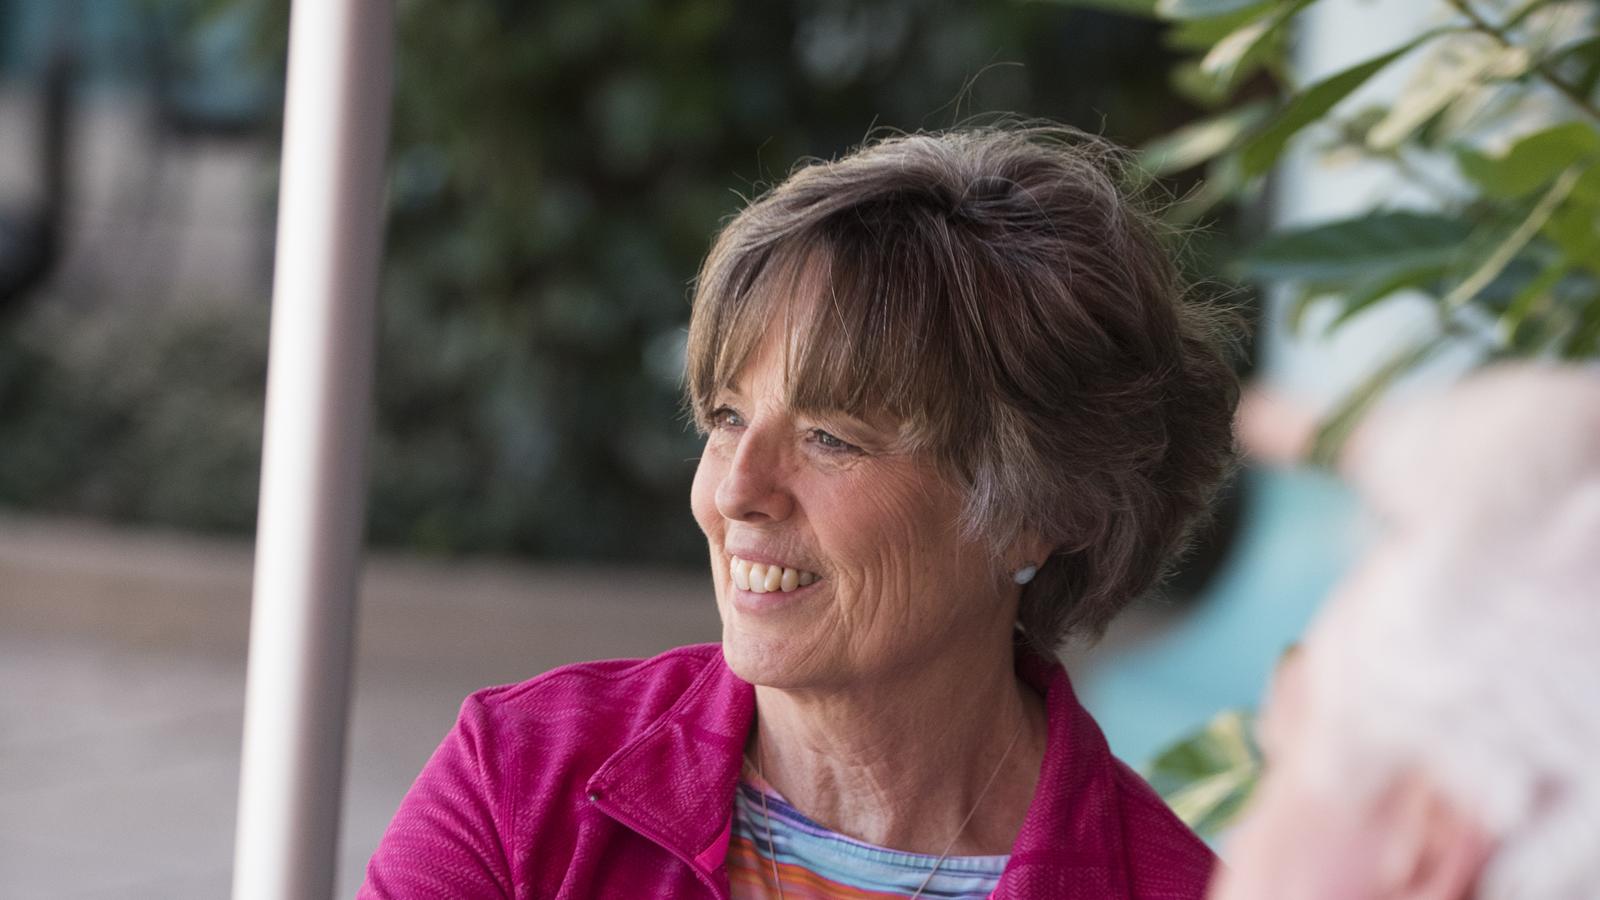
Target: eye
[832,443]
[725,417]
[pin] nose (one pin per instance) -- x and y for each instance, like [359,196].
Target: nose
[755,488]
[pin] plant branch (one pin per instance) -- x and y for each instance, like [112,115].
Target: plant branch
[1513,244]
[1571,91]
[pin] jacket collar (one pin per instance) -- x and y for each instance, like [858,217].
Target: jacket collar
[1070,844]
[675,784]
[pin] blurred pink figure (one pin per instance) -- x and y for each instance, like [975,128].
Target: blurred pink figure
[1436,736]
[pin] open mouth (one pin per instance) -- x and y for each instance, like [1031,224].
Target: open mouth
[759,578]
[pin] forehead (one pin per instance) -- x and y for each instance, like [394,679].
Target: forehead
[764,380]
[774,328]
[828,327]
[766,367]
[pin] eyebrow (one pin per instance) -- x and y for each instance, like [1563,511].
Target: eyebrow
[877,430]
[886,432]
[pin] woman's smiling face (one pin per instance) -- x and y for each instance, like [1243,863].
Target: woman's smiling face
[878,577]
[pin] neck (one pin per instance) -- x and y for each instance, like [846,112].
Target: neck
[902,759]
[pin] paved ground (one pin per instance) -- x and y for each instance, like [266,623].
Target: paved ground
[122,685]
[122,660]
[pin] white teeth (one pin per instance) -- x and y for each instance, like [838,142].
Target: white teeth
[759,578]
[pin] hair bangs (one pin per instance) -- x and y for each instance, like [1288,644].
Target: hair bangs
[860,335]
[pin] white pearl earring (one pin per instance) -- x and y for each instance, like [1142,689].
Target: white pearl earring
[1025,574]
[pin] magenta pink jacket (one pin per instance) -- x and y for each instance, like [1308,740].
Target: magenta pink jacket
[616,780]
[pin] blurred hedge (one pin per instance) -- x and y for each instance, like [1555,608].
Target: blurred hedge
[557,169]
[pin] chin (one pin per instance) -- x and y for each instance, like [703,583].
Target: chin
[766,660]
[756,660]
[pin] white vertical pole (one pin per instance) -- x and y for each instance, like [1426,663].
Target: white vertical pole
[313,477]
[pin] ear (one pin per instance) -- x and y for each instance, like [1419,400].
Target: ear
[1431,850]
[1029,550]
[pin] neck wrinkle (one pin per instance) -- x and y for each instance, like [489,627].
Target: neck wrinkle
[901,764]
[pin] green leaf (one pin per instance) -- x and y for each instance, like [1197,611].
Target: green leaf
[1365,247]
[1233,51]
[1585,50]
[1534,294]
[1426,97]
[1202,9]
[1585,340]
[1353,298]
[1501,293]
[1513,243]
[1532,162]
[1262,150]
[1208,775]
[1337,427]
[1200,141]
[1527,8]
[1575,229]
[1477,167]
[1587,190]
[1363,294]
[1247,48]
[1196,86]
[1126,7]
[1202,34]
[1305,298]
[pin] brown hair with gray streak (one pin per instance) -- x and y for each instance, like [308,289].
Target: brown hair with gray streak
[998,294]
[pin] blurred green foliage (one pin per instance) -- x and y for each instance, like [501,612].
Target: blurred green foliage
[1207,776]
[156,419]
[1497,126]
[557,170]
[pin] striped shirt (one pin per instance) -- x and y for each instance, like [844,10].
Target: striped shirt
[815,863]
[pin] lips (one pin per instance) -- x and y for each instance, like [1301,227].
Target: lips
[764,578]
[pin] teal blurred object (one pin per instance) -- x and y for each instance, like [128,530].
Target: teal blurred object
[25,26]
[1301,532]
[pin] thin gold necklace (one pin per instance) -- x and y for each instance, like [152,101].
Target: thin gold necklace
[772,850]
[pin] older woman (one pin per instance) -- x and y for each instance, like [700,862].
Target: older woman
[955,411]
